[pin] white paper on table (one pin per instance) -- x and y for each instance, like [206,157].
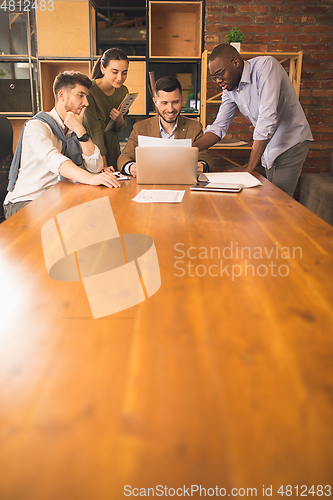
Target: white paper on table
[245,178]
[156,142]
[159,196]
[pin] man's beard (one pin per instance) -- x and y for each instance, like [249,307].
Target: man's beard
[173,120]
[70,107]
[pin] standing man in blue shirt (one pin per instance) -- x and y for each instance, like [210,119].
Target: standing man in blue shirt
[262,91]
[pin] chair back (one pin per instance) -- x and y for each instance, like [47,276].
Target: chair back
[6,156]
[6,137]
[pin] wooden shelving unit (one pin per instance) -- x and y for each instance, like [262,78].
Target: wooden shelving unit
[174,37]
[175,40]
[65,39]
[18,68]
[57,40]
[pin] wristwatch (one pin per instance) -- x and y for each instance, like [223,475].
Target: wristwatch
[84,138]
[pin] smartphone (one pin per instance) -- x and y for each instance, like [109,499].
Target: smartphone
[121,177]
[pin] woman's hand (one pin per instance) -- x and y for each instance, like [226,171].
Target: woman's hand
[116,116]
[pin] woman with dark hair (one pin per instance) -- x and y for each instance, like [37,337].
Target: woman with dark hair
[105,95]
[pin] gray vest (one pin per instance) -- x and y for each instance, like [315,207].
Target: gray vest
[70,147]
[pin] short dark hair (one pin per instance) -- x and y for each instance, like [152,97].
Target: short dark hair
[224,50]
[168,84]
[68,80]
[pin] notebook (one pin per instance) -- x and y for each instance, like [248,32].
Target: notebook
[166,165]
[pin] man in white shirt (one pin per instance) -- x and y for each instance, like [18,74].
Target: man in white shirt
[43,157]
[262,91]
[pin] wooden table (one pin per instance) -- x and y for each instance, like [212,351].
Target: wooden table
[215,381]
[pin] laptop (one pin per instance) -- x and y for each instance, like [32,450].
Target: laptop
[166,165]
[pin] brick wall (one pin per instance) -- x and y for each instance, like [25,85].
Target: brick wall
[289,26]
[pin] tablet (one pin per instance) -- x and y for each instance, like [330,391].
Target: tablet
[220,188]
[127,103]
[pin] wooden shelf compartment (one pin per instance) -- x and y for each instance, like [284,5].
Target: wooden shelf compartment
[18,85]
[175,29]
[72,40]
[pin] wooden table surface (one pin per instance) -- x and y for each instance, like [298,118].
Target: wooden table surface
[215,381]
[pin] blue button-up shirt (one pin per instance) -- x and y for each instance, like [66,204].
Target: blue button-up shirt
[266,96]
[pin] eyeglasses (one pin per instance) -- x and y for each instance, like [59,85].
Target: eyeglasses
[219,75]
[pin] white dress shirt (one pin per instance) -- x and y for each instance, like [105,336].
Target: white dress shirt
[41,159]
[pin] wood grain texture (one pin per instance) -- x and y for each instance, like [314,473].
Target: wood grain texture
[73,37]
[211,381]
[17,124]
[175,29]
[136,82]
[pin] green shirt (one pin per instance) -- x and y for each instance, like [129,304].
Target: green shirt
[96,118]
